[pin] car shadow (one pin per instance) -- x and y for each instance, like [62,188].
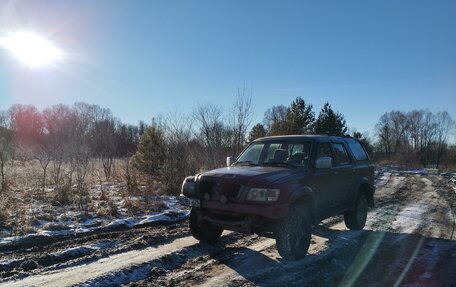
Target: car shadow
[354,258]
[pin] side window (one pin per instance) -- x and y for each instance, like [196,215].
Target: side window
[357,149]
[340,154]
[271,151]
[324,150]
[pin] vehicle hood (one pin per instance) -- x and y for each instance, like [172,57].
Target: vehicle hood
[247,174]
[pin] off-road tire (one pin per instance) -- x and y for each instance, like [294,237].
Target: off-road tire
[293,233]
[203,231]
[356,219]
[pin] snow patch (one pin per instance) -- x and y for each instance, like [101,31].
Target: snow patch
[69,225]
[409,219]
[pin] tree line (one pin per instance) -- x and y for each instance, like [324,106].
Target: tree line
[175,145]
[416,137]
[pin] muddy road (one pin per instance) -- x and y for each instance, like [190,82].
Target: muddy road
[409,240]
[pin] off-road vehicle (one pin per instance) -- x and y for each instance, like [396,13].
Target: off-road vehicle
[279,187]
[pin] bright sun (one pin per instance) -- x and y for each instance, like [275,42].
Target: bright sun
[31,49]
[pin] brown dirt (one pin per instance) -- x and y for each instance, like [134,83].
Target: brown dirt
[409,240]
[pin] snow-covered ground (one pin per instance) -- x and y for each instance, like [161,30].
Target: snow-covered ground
[67,223]
[408,240]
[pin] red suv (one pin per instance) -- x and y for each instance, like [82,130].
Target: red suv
[279,186]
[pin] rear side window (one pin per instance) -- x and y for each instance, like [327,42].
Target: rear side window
[357,149]
[340,154]
[324,150]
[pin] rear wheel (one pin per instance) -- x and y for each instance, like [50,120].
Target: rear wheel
[203,231]
[356,219]
[293,233]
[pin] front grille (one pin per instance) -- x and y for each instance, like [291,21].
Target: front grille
[215,190]
[206,187]
[230,190]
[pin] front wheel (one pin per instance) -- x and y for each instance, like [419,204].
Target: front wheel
[356,219]
[203,231]
[293,233]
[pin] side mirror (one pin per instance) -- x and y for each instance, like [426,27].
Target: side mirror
[230,160]
[324,162]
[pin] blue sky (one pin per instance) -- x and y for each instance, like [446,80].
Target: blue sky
[145,58]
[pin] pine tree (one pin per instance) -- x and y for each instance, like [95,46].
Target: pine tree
[151,153]
[364,140]
[256,132]
[299,117]
[330,122]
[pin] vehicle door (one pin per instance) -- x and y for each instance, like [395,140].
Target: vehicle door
[343,175]
[325,183]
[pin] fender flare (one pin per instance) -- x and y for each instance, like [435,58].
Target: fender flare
[306,196]
[362,185]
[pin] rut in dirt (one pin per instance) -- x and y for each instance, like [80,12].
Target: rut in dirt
[408,241]
[411,246]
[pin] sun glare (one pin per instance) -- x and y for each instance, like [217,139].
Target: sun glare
[31,49]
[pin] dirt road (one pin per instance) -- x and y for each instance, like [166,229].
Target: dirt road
[409,240]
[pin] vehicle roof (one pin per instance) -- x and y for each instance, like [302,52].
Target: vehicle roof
[302,137]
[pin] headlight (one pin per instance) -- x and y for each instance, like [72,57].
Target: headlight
[263,194]
[188,187]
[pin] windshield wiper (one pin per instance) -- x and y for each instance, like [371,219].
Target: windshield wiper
[283,164]
[245,163]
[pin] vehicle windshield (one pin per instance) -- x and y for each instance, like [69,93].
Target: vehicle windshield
[293,154]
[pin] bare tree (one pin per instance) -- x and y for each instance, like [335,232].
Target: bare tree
[275,119]
[391,130]
[179,161]
[103,143]
[5,155]
[212,133]
[241,118]
[27,124]
[43,155]
[418,136]
[445,125]
[81,156]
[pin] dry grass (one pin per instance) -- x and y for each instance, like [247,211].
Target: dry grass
[25,201]
[55,226]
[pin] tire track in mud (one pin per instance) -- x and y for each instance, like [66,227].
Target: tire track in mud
[337,256]
[64,252]
[384,254]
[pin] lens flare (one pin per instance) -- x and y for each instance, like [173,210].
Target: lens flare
[31,49]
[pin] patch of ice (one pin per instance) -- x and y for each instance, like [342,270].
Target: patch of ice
[85,249]
[4,232]
[69,214]
[409,219]
[6,261]
[129,222]
[382,180]
[167,216]
[56,232]
[136,273]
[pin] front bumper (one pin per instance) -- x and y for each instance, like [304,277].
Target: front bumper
[269,211]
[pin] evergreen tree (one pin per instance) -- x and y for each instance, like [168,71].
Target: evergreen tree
[300,117]
[257,131]
[364,140]
[330,122]
[151,153]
